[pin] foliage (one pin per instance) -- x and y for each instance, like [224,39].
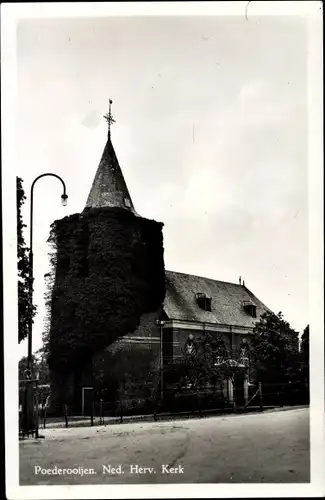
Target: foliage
[107,270]
[23,366]
[209,366]
[304,354]
[275,346]
[128,369]
[38,364]
[25,309]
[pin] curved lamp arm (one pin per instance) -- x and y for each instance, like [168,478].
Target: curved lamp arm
[64,198]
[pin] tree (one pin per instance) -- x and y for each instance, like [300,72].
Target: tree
[304,355]
[276,352]
[39,364]
[207,365]
[49,279]
[42,366]
[124,369]
[25,309]
[23,366]
[196,379]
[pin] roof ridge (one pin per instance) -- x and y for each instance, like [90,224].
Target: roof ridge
[206,278]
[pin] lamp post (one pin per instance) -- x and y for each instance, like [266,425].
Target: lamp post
[30,398]
[36,377]
[161,323]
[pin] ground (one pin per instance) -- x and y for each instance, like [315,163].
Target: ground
[254,448]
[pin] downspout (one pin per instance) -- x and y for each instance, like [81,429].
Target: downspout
[232,340]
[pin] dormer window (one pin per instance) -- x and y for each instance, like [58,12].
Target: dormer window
[127,203]
[203,301]
[250,308]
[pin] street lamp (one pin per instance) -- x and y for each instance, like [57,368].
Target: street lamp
[64,198]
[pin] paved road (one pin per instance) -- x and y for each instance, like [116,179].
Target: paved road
[259,448]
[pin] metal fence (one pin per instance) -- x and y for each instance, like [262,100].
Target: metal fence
[174,403]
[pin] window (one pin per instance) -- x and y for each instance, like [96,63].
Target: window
[190,346]
[203,301]
[250,308]
[207,304]
[220,350]
[244,353]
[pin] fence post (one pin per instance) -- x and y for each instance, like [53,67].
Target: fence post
[260,395]
[121,405]
[155,416]
[234,405]
[66,414]
[281,396]
[92,413]
[101,416]
[121,411]
[246,390]
[199,404]
[154,403]
[230,391]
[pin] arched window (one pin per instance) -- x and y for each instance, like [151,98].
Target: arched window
[244,353]
[190,346]
[220,350]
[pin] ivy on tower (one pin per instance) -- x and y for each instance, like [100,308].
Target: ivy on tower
[108,270]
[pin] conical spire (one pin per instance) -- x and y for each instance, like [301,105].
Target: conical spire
[109,188]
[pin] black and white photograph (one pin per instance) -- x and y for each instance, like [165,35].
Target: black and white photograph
[163,269]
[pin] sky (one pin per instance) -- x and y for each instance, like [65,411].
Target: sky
[210,133]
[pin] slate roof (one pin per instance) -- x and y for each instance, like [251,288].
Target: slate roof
[226,304]
[109,188]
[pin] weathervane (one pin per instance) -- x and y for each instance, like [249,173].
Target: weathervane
[109,118]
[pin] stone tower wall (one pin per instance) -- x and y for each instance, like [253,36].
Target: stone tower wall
[109,272]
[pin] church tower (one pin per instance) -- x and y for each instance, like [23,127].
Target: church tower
[109,188]
[108,278]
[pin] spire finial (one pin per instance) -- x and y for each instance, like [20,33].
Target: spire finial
[109,118]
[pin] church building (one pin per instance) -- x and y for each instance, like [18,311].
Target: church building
[189,307]
[192,305]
